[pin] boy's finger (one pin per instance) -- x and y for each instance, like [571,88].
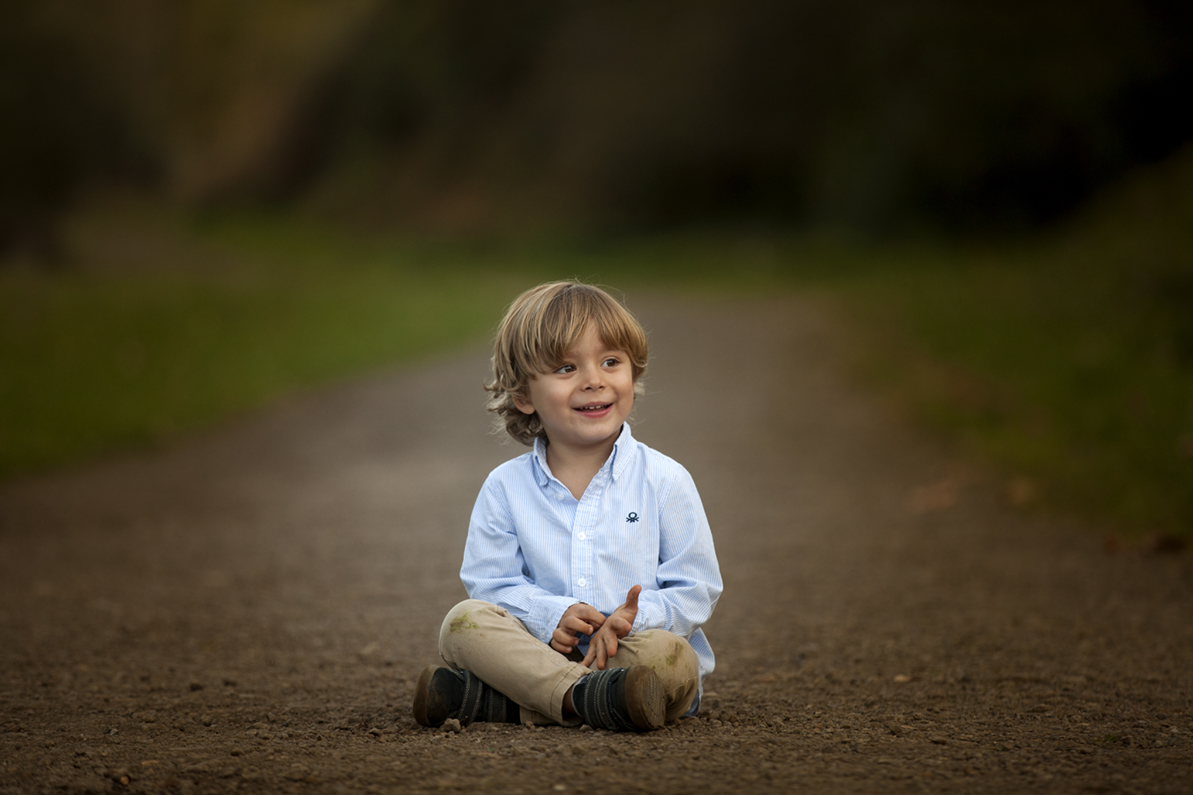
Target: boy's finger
[591,615]
[602,650]
[631,599]
[572,625]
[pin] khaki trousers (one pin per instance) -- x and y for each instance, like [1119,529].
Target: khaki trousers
[485,639]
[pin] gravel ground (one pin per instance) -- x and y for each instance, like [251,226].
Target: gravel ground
[248,611]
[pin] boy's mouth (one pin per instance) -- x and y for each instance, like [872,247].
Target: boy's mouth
[592,407]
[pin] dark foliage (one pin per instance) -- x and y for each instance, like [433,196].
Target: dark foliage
[988,115]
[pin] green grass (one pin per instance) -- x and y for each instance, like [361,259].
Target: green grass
[1071,383]
[124,354]
[1065,361]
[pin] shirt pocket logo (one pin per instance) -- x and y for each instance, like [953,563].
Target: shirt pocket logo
[632,518]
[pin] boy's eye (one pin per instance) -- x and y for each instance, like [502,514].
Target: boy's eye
[611,362]
[567,368]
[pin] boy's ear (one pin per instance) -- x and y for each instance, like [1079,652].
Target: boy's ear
[523,405]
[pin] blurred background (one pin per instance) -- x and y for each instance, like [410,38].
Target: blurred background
[204,205]
[461,115]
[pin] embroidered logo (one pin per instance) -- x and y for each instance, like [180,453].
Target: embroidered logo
[633,517]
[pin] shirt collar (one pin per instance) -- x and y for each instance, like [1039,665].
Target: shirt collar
[540,462]
[623,453]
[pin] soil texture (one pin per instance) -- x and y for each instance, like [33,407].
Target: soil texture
[248,611]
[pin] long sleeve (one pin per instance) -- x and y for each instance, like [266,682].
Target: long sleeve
[495,568]
[688,578]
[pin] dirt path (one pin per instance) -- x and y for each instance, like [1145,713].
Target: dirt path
[248,612]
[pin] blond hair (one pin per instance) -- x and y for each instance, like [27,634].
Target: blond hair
[538,329]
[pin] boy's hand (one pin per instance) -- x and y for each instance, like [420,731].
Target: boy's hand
[579,619]
[619,623]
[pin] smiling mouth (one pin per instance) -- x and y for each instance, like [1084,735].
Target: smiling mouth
[594,407]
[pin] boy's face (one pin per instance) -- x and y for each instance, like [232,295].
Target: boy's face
[583,404]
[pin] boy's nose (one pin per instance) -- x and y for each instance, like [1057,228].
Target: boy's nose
[594,379]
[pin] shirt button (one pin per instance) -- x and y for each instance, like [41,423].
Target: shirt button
[581,536]
[581,582]
[561,496]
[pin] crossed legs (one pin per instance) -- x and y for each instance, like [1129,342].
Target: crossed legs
[486,640]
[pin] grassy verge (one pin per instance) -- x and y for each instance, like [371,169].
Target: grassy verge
[1065,362]
[129,346]
[1070,386]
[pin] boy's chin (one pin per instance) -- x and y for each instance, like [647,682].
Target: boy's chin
[591,437]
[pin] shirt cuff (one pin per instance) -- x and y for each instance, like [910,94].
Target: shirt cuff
[651,614]
[545,614]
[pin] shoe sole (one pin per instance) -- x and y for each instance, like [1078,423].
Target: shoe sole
[422,693]
[645,700]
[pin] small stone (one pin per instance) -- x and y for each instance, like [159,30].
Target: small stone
[452,725]
[902,678]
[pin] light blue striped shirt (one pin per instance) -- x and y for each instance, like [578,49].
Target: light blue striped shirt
[535,550]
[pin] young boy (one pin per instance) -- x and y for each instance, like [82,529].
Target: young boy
[589,560]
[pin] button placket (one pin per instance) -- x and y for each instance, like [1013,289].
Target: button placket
[585,521]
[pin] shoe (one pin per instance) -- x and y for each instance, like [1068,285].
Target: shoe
[621,699]
[444,693]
